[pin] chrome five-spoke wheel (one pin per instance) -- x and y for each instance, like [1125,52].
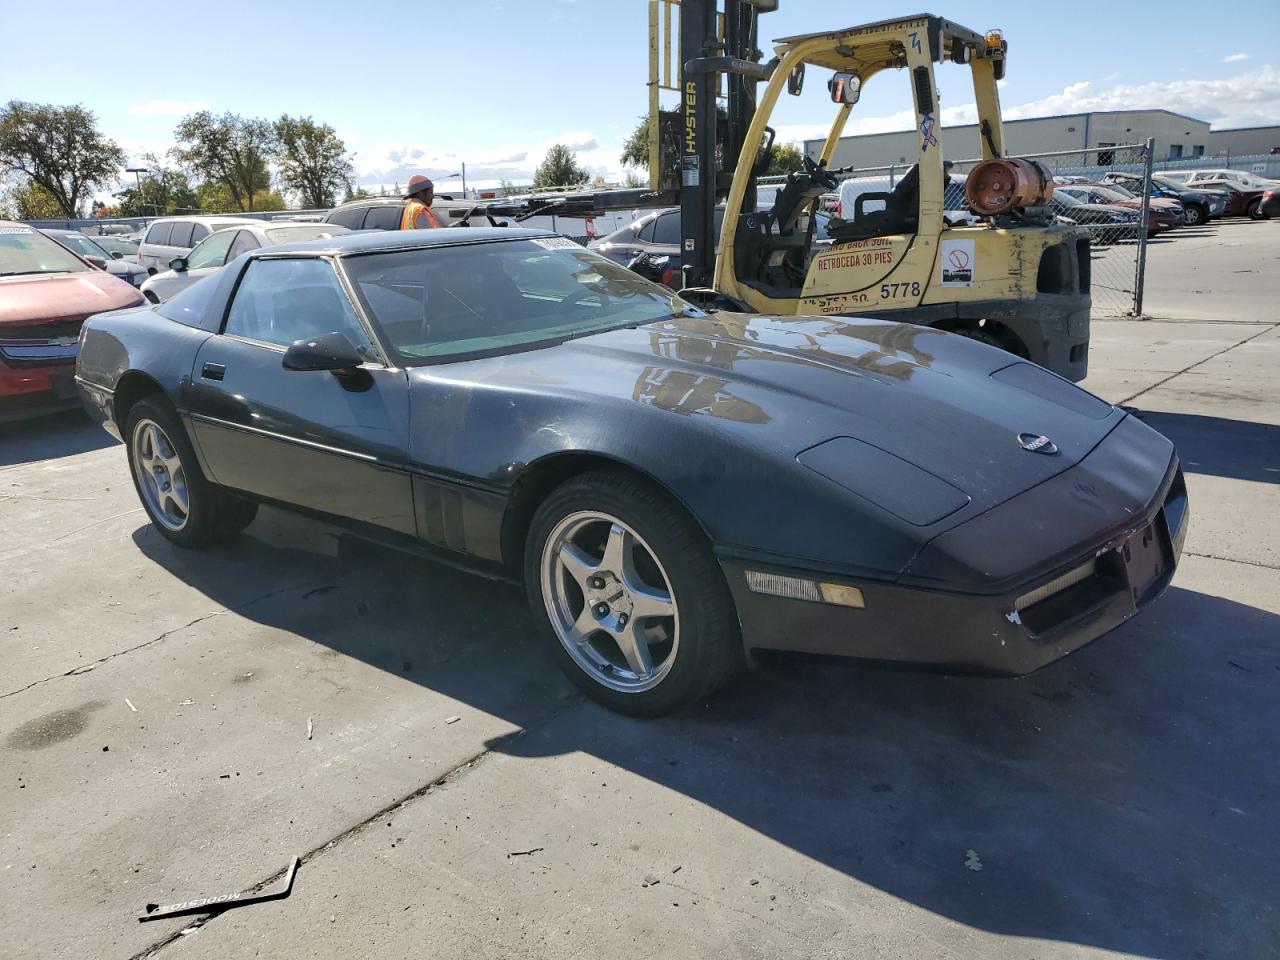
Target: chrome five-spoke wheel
[610,601]
[161,477]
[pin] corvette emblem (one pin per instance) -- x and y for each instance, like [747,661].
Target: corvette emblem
[1035,443]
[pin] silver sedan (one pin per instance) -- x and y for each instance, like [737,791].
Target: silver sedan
[220,248]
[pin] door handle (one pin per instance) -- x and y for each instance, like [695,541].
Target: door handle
[213,371]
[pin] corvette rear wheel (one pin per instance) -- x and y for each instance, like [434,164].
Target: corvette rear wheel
[183,506]
[629,595]
[1255,210]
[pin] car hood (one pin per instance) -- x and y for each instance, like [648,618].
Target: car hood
[944,403]
[39,297]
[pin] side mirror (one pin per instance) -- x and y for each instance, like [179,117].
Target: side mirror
[845,88]
[178,264]
[795,81]
[96,261]
[117,255]
[332,352]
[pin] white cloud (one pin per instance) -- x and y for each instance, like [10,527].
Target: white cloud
[1236,58]
[167,108]
[384,163]
[1250,99]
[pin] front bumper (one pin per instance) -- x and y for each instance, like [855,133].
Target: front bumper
[1070,597]
[37,371]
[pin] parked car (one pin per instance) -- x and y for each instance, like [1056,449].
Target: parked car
[220,248]
[512,402]
[88,248]
[1161,214]
[384,213]
[657,234]
[1240,179]
[1248,200]
[1197,207]
[126,245]
[46,291]
[1107,223]
[175,236]
[1270,205]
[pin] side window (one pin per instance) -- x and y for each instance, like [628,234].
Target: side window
[347,218]
[280,301]
[159,233]
[384,218]
[181,235]
[244,242]
[667,229]
[212,252]
[645,233]
[198,232]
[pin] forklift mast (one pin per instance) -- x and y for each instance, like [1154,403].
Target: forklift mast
[704,55]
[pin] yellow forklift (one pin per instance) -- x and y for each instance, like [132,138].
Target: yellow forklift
[1019,279]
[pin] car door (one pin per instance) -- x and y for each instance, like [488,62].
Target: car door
[314,439]
[207,257]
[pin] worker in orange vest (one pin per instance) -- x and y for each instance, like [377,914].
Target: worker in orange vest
[418,214]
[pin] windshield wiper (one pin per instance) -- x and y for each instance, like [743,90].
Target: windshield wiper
[23,273]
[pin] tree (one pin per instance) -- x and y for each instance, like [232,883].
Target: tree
[29,201]
[508,189]
[559,169]
[313,160]
[356,193]
[163,191]
[229,151]
[633,180]
[58,149]
[787,158]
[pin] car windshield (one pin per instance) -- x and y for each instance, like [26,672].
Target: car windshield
[79,243]
[23,250]
[117,244]
[1122,190]
[438,302]
[1066,199]
[301,232]
[1108,196]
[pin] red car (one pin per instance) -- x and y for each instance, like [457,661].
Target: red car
[46,292]
[1161,214]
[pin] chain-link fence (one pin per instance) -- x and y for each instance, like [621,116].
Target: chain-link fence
[1101,189]
[1107,190]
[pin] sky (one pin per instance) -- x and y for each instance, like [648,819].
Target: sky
[424,87]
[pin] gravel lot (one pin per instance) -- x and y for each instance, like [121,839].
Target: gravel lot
[155,704]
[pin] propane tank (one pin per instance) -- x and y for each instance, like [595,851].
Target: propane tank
[997,186]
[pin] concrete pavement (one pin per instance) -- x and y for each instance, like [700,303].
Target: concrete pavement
[1118,803]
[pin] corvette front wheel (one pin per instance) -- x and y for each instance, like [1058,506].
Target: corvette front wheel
[629,594]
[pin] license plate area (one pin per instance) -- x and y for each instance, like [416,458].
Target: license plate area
[1148,560]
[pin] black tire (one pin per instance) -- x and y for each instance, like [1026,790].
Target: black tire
[1255,210]
[213,514]
[710,647]
[1193,215]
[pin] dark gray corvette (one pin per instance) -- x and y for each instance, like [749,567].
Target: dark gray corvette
[671,486]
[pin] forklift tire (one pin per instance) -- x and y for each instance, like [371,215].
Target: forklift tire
[982,336]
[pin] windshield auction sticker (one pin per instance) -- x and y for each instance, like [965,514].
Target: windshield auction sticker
[556,243]
[955,262]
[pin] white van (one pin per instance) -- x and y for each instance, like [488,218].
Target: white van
[175,236]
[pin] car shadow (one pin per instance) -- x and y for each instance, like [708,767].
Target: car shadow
[49,437]
[1119,799]
[1220,446]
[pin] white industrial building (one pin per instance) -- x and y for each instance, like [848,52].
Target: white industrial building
[1176,137]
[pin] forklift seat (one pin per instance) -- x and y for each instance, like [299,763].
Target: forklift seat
[901,213]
